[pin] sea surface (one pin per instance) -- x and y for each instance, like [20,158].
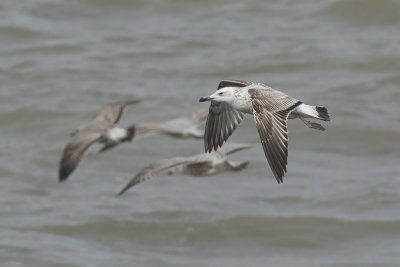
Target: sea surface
[61,60]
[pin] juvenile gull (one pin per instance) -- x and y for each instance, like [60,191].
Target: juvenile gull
[181,127]
[103,130]
[197,165]
[270,108]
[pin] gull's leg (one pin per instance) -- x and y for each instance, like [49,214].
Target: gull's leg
[311,124]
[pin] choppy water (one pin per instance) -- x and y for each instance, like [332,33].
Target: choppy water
[339,204]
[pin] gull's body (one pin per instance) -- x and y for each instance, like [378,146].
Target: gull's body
[270,108]
[181,127]
[197,165]
[102,130]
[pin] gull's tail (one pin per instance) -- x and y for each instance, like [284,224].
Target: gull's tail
[317,112]
[130,134]
[322,113]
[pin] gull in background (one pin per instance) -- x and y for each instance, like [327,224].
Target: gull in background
[197,165]
[270,108]
[182,127]
[103,130]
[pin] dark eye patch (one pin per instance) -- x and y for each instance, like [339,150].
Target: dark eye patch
[221,93]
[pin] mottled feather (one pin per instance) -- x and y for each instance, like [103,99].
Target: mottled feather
[148,172]
[110,114]
[74,151]
[222,120]
[271,109]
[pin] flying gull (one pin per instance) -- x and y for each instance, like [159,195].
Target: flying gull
[181,127]
[197,165]
[102,130]
[270,108]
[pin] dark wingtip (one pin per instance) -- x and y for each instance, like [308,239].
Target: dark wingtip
[63,175]
[123,190]
[134,101]
[128,186]
[279,179]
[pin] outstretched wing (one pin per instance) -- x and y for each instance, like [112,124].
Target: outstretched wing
[110,114]
[222,120]
[271,109]
[233,83]
[198,115]
[108,146]
[74,151]
[144,128]
[232,148]
[153,169]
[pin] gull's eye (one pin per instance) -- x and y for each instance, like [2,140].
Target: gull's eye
[220,93]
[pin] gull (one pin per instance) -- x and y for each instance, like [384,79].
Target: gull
[270,108]
[102,130]
[197,165]
[182,127]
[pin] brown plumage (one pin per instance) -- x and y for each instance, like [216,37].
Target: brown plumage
[101,130]
[270,109]
[196,165]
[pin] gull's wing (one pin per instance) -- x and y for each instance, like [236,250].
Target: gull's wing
[108,146]
[74,151]
[155,168]
[200,165]
[271,109]
[232,148]
[198,115]
[232,83]
[148,127]
[222,120]
[110,114]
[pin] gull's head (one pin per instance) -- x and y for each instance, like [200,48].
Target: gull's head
[225,94]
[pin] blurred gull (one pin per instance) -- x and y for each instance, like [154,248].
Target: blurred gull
[270,108]
[102,130]
[197,165]
[181,127]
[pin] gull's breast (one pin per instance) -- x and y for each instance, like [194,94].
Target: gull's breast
[242,102]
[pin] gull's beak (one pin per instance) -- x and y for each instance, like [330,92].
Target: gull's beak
[206,98]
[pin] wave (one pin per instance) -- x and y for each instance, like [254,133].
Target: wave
[287,231]
[364,12]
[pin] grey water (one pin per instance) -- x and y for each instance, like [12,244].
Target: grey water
[339,204]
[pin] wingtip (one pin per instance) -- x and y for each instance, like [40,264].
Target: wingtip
[278,178]
[127,187]
[135,101]
[62,175]
[123,190]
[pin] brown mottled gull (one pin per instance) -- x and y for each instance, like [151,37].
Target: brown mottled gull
[102,130]
[197,165]
[270,108]
[182,127]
